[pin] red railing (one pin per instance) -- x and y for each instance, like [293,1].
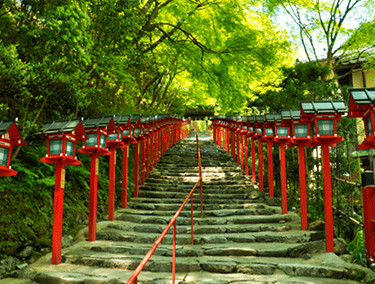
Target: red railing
[137,271]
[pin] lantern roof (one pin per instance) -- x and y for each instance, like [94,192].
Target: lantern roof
[260,118]
[98,122]
[134,118]
[63,126]
[273,117]
[291,114]
[10,127]
[319,107]
[144,119]
[361,100]
[121,119]
[363,95]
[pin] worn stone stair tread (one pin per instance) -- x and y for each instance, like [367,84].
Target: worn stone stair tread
[208,213]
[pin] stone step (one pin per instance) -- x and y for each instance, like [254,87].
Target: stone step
[238,259]
[121,229]
[208,188]
[81,274]
[254,219]
[182,195]
[170,204]
[207,213]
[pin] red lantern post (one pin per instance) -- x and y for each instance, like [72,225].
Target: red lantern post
[97,129]
[268,130]
[9,138]
[282,137]
[62,137]
[300,137]
[324,116]
[362,104]
[259,120]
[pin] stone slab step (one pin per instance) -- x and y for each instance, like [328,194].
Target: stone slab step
[256,219]
[166,204]
[124,228]
[207,213]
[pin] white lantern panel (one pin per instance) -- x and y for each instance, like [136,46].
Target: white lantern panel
[300,130]
[269,131]
[326,126]
[4,153]
[91,139]
[55,147]
[69,148]
[103,140]
[282,131]
[112,136]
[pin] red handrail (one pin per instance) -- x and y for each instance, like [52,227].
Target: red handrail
[137,271]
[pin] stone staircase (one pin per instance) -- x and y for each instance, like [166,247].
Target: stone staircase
[241,238]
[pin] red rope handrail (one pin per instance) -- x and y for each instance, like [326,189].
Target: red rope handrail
[137,271]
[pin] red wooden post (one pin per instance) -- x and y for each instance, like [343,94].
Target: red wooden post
[270,169]
[233,144]
[228,139]
[112,182]
[238,147]
[260,157]
[246,156]
[284,199]
[328,216]
[219,135]
[143,147]
[192,219]
[253,166]
[94,172]
[302,185]
[147,157]
[151,162]
[241,152]
[136,168]
[125,157]
[58,212]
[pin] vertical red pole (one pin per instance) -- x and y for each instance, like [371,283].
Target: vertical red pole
[241,152]
[151,153]
[253,167]
[174,254]
[238,148]
[284,198]
[328,216]
[270,169]
[125,157]
[136,168]
[302,185]
[260,156]
[94,172]
[58,212]
[246,156]
[147,156]
[143,148]
[219,135]
[112,180]
[229,137]
[233,144]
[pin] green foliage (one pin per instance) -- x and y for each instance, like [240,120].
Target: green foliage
[357,248]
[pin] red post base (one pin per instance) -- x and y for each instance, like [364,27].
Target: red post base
[94,172]
[58,212]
